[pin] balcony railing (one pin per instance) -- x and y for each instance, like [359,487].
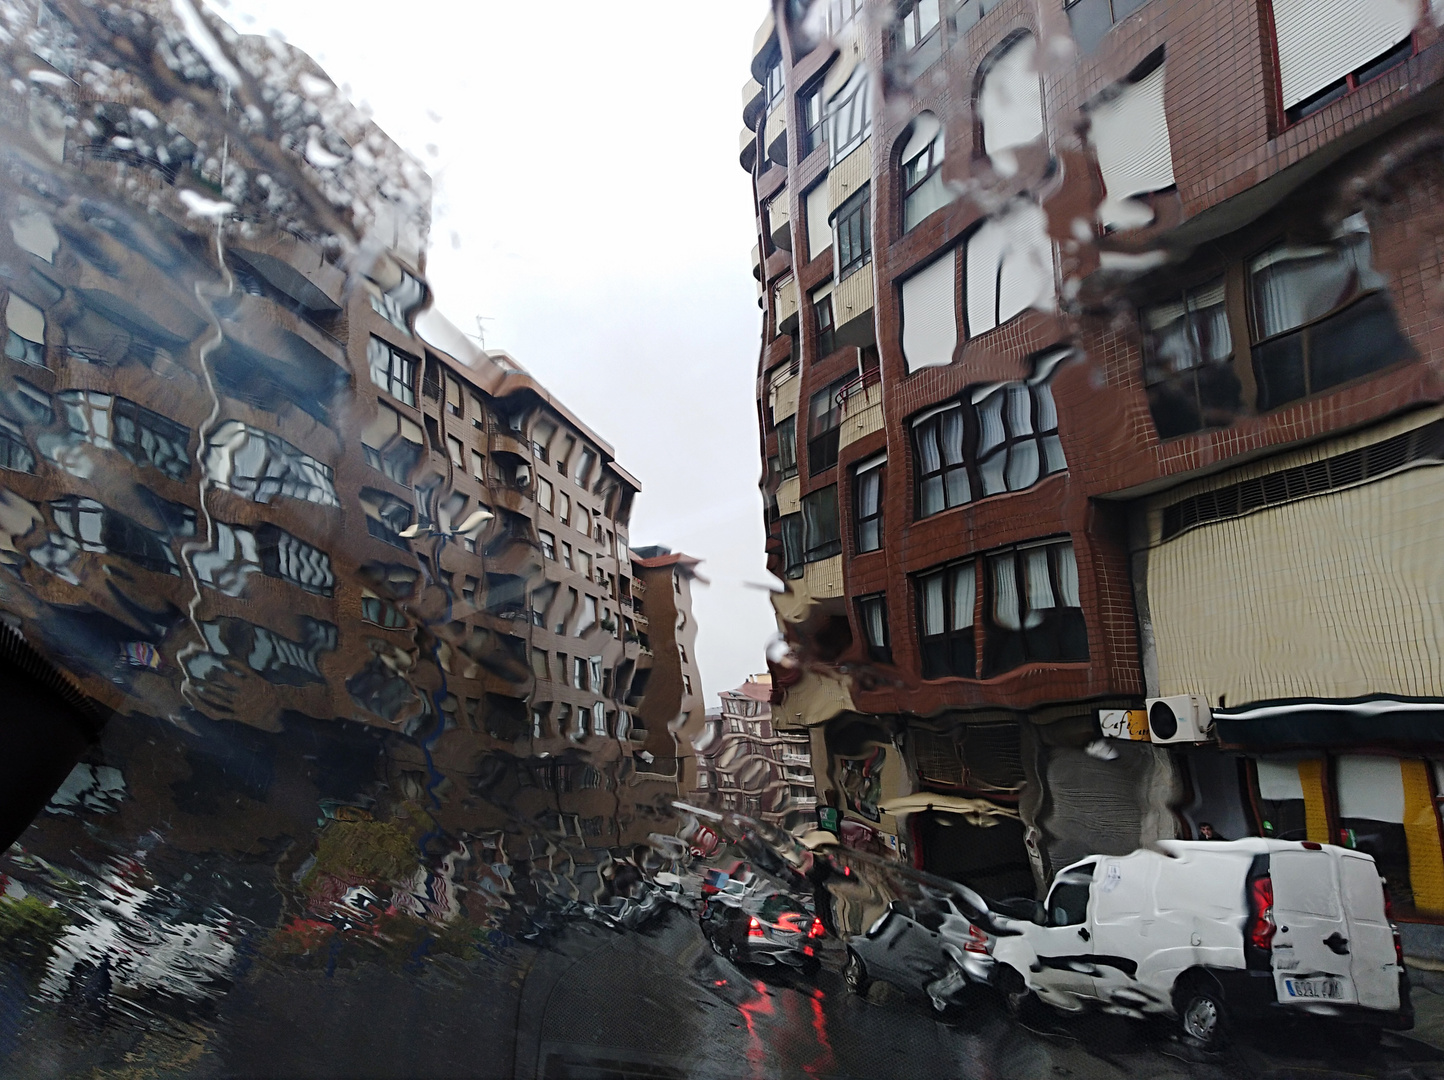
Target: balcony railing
[858,385]
[431,388]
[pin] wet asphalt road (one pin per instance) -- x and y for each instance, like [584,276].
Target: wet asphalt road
[601,1005]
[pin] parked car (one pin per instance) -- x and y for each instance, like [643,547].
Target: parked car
[1208,931]
[780,931]
[933,946]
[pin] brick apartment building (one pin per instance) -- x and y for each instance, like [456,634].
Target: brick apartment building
[279,494]
[1101,363]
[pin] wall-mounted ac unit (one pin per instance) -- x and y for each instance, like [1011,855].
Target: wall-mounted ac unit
[1185,718]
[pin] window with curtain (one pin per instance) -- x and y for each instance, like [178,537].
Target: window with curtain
[945,620]
[814,129]
[791,545]
[1009,268]
[392,370]
[824,418]
[1321,316]
[821,537]
[852,231]
[867,485]
[1188,362]
[548,544]
[872,615]
[922,170]
[1004,438]
[1018,440]
[941,465]
[1032,610]
[826,324]
[930,314]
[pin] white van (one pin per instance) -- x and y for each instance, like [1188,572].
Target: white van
[1199,930]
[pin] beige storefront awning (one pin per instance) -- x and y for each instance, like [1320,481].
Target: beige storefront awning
[975,811]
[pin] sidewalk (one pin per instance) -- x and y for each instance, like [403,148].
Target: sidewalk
[1426,985]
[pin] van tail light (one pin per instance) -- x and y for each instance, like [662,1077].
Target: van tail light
[1398,949]
[1388,904]
[1261,925]
[816,929]
[754,928]
[977,940]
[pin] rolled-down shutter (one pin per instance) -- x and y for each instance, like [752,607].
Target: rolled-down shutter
[929,314]
[1130,135]
[1321,41]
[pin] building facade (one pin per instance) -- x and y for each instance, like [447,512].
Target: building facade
[748,765]
[1100,364]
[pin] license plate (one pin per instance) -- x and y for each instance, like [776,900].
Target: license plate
[1314,988]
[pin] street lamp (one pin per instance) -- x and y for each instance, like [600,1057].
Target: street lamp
[473,521]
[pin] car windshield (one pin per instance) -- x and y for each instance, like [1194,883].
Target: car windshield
[451,619]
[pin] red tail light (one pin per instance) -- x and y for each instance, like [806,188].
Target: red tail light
[1261,926]
[977,940]
[816,929]
[754,928]
[1398,949]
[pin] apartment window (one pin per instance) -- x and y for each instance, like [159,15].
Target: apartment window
[468,590]
[594,674]
[584,564]
[872,615]
[583,521]
[564,509]
[1090,20]
[386,516]
[1009,268]
[942,471]
[584,466]
[787,447]
[545,495]
[541,599]
[824,419]
[397,302]
[25,330]
[589,615]
[1320,316]
[852,232]
[775,82]
[1009,105]
[564,714]
[922,170]
[453,396]
[1005,440]
[564,458]
[478,465]
[686,683]
[849,118]
[548,545]
[567,555]
[945,619]
[392,370]
[814,126]
[1033,612]
[542,434]
[821,538]
[791,545]
[1187,362]
[573,599]
[539,666]
[478,413]
[458,452]
[1325,54]
[382,612]
[867,485]
[14,454]
[1129,133]
[841,13]
[539,721]
[916,21]
[930,314]
[579,672]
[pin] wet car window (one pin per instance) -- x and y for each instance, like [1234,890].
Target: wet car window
[518,561]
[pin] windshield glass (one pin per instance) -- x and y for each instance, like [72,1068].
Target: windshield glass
[461,614]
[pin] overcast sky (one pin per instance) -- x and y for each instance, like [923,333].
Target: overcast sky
[589,204]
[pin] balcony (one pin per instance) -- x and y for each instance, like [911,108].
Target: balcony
[774,134]
[507,442]
[861,402]
[747,150]
[753,103]
[779,222]
[784,304]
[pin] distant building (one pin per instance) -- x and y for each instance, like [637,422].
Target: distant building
[747,765]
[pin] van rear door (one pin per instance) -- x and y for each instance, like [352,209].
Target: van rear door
[1371,940]
[1311,950]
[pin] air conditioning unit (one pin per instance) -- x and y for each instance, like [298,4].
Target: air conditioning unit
[1185,718]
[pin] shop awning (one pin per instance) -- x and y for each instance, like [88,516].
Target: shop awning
[1372,720]
[976,811]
